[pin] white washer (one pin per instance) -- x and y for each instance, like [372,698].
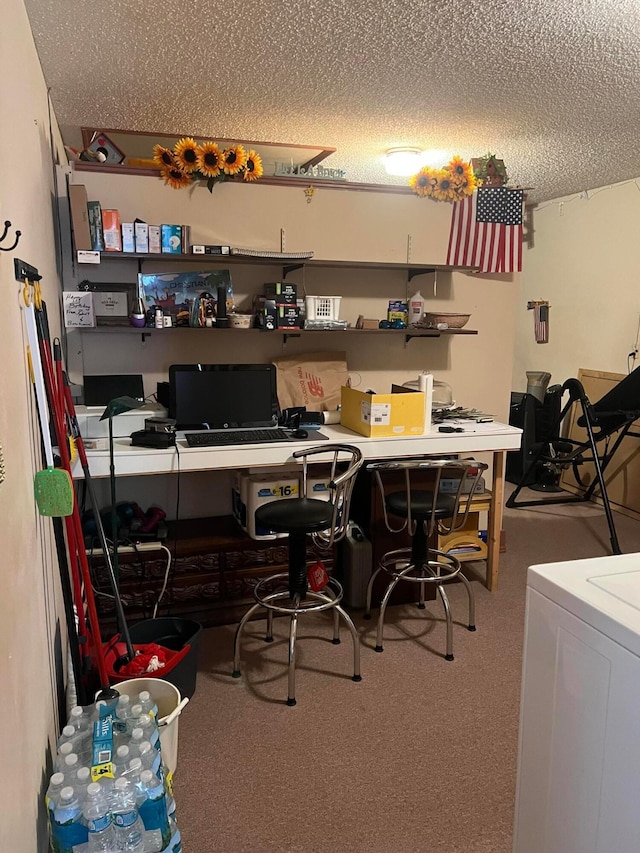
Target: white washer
[579,752]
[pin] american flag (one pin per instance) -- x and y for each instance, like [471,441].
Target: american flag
[541,322]
[486,230]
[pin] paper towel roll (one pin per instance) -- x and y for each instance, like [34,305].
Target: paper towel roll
[425,384]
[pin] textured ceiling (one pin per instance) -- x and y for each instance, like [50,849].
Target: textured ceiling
[551,86]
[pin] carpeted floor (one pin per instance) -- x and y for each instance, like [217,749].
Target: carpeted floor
[419,756]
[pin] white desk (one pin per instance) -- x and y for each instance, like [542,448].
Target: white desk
[494,438]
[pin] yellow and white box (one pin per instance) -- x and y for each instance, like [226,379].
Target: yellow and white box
[250,491]
[377,415]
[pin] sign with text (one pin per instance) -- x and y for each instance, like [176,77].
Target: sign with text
[78,309]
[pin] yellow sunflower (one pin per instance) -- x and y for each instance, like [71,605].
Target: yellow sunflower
[460,171]
[186,154]
[464,188]
[209,159]
[233,159]
[443,190]
[424,182]
[253,167]
[175,177]
[162,157]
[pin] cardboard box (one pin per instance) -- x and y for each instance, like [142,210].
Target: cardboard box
[154,239]
[111,230]
[142,238]
[128,240]
[250,491]
[95,226]
[284,293]
[376,415]
[80,217]
[171,239]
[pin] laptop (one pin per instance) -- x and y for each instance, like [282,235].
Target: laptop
[225,404]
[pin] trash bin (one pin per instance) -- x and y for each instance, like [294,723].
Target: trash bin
[167,697]
[537,381]
[173,633]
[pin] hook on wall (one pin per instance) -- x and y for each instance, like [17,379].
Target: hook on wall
[5,231]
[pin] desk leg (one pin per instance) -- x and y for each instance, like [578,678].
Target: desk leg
[495,521]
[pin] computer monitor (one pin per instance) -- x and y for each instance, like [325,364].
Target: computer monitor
[222,396]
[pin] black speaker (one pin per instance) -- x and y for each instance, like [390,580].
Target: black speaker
[522,414]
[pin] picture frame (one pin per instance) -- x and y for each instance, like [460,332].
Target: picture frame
[113,301]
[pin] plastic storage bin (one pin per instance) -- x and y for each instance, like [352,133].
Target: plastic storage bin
[322,307]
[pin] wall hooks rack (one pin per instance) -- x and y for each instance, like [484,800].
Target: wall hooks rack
[24,271]
[5,231]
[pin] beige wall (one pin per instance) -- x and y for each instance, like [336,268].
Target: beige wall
[585,263]
[31,631]
[338,225]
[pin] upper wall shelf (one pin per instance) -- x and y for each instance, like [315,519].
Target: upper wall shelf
[288,264]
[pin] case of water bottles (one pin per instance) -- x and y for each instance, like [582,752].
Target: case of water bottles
[111,792]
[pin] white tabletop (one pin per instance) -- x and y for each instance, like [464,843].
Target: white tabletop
[129,461]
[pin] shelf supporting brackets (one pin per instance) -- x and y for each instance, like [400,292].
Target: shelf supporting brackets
[413,273]
[287,268]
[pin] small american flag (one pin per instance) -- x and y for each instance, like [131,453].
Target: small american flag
[486,231]
[541,322]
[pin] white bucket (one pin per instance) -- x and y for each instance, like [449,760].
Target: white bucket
[167,698]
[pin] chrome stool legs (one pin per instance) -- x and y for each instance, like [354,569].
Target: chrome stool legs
[280,602]
[438,571]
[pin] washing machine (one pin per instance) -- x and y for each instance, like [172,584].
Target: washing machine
[578,778]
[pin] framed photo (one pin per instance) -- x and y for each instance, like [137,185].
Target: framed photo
[112,302]
[181,294]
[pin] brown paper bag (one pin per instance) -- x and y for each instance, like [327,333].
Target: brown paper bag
[312,380]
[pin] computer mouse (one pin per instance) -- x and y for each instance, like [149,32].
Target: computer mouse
[299,433]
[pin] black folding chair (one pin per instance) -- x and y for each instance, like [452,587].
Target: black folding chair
[607,422]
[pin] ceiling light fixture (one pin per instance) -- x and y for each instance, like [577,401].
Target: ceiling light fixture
[403,162]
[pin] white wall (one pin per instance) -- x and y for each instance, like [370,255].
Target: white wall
[32,633]
[585,263]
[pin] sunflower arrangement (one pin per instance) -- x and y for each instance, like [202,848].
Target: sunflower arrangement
[452,183]
[191,161]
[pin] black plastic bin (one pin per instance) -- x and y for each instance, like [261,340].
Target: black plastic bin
[174,633]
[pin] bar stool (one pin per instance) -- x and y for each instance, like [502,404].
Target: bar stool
[429,506]
[287,593]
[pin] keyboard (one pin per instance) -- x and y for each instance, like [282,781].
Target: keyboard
[237,436]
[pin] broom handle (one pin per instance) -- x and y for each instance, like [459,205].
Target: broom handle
[63,384]
[75,527]
[38,381]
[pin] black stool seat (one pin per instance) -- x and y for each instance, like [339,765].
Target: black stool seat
[424,514]
[325,523]
[421,505]
[305,515]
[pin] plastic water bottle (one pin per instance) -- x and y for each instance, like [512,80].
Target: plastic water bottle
[137,736]
[148,725]
[52,797]
[151,758]
[97,815]
[78,719]
[83,780]
[67,829]
[129,827]
[121,761]
[69,735]
[70,768]
[153,808]
[148,705]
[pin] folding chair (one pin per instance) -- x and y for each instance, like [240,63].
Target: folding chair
[607,422]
